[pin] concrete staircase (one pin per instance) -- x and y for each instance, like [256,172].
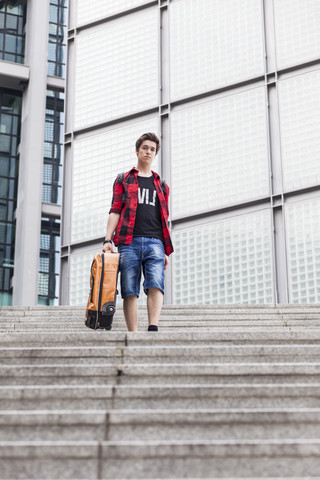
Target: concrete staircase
[219,392]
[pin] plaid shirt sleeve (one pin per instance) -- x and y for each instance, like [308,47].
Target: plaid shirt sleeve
[117,203]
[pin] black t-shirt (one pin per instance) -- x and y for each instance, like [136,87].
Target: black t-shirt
[148,217]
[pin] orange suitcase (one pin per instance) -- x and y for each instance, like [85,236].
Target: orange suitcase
[101,304]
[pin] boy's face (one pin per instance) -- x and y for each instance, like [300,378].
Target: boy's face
[147,152]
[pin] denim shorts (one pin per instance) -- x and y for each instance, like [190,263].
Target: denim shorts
[142,254]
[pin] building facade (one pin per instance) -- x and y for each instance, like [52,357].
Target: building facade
[233,90]
[32,71]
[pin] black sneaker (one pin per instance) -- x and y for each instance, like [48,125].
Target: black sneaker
[153,328]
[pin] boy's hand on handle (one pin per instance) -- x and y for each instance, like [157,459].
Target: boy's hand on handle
[107,247]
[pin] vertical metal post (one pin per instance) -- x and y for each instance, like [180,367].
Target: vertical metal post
[66,222]
[274,139]
[164,113]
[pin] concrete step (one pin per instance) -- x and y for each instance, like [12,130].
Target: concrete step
[55,326]
[145,425]
[60,460]
[158,354]
[234,336]
[163,328]
[190,373]
[155,397]
[173,307]
[231,336]
[172,312]
[166,313]
[190,326]
[210,458]
[168,319]
[151,459]
[84,338]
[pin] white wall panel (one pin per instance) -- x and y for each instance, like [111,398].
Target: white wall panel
[303,250]
[297,31]
[228,261]
[299,100]
[116,69]
[87,13]
[214,43]
[219,153]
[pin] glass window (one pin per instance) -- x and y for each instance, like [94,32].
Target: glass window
[103,8]
[14,7]
[214,43]
[224,262]
[121,79]
[96,162]
[57,38]
[49,262]
[12,22]
[219,153]
[299,100]
[10,117]
[53,148]
[53,13]
[303,250]
[297,31]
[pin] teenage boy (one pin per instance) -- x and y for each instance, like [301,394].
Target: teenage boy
[138,225]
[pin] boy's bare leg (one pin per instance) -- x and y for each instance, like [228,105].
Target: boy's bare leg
[130,310]
[154,305]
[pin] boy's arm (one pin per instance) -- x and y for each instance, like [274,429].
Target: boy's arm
[117,203]
[111,226]
[114,213]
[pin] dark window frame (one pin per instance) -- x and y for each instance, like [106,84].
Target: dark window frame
[8,197]
[17,54]
[53,163]
[50,226]
[56,62]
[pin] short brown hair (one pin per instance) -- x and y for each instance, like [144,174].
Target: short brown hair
[152,137]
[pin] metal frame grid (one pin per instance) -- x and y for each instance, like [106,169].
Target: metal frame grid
[53,148]
[276,200]
[57,38]
[12,36]
[10,118]
[49,262]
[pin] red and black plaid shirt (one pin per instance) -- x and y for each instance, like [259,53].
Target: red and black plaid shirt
[125,201]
